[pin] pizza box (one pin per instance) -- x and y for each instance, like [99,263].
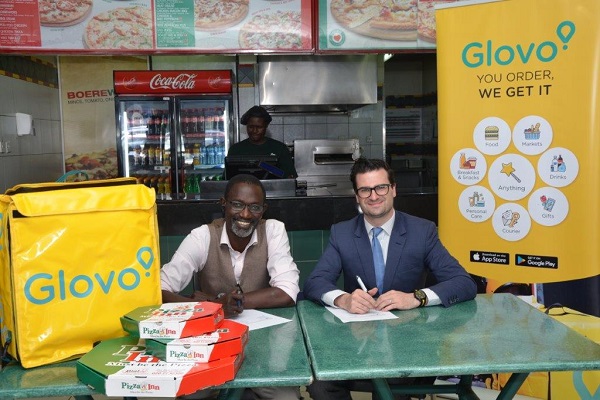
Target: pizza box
[228,340]
[173,320]
[121,367]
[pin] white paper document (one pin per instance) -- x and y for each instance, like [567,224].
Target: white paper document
[257,319]
[372,315]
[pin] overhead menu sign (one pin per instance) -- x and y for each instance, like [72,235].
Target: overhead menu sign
[518,137]
[152,26]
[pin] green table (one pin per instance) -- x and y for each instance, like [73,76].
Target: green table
[275,356]
[491,334]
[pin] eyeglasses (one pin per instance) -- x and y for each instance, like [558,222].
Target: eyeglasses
[381,190]
[239,206]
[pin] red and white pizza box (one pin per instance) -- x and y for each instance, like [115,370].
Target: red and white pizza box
[121,367]
[228,340]
[173,320]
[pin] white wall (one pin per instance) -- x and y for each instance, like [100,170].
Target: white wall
[30,159]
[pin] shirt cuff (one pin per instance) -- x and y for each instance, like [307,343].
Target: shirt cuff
[329,297]
[432,298]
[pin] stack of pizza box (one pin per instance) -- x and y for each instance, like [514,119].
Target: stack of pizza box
[172,350]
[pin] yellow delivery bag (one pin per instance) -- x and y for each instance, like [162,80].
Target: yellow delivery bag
[74,258]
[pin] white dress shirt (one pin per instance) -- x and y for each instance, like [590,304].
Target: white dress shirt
[192,254]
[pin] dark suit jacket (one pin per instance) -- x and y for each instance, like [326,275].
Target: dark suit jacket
[414,251]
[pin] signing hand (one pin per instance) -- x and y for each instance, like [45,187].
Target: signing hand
[233,303]
[359,302]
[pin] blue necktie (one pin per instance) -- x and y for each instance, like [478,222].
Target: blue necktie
[378,260]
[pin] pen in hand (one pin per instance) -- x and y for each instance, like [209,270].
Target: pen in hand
[361,284]
[239,291]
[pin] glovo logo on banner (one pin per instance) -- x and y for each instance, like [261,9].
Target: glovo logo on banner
[476,54]
[43,288]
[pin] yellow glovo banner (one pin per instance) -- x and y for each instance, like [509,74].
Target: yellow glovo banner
[519,137]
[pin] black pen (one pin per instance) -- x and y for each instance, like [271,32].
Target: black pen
[239,291]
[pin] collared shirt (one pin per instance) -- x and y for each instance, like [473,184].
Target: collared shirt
[384,239]
[192,254]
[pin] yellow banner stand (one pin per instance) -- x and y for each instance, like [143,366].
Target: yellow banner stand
[518,142]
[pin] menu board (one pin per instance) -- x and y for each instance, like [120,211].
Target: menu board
[377,24]
[155,26]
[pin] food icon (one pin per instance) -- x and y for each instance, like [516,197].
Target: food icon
[509,171]
[532,133]
[491,132]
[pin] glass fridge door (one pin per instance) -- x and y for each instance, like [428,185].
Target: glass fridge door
[203,144]
[145,137]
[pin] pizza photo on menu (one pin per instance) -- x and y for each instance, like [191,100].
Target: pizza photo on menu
[213,15]
[382,19]
[273,30]
[426,19]
[63,12]
[120,28]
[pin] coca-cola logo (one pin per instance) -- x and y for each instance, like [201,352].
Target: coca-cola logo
[181,81]
[214,82]
[130,83]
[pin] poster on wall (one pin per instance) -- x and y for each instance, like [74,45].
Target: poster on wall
[153,26]
[88,112]
[377,24]
[518,137]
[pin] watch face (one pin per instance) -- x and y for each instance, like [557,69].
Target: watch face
[420,295]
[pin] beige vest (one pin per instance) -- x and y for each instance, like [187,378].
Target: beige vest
[217,275]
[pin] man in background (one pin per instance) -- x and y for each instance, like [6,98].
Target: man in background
[257,120]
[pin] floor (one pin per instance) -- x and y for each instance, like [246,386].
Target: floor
[484,394]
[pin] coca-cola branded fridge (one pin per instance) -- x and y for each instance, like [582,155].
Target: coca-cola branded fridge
[173,128]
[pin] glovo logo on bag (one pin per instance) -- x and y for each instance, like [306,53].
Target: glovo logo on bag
[43,288]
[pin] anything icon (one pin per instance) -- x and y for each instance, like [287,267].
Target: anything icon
[509,171]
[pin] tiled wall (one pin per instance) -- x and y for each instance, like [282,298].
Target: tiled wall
[306,248]
[29,85]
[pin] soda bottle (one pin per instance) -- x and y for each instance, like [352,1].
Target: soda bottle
[196,155]
[221,120]
[167,158]
[151,155]
[164,125]
[194,121]
[185,121]
[158,156]
[157,123]
[168,188]
[201,122]
[161,188]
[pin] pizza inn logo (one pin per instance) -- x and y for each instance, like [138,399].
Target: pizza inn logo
[181,81]
[337,37]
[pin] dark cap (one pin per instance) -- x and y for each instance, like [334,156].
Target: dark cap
[257,112]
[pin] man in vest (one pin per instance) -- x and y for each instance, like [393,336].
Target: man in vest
[241,261]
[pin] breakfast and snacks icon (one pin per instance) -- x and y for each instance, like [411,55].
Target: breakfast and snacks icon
[510,218]
[509,170]
[467,163]
[492,132]
[533,132]
[547,203]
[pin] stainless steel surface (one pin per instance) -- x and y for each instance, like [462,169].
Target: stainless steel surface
[317,83]
[325,165]
[273,187]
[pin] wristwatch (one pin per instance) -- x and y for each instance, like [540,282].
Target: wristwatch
[421,296]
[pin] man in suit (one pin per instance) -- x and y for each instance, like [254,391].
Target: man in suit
[408,247]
